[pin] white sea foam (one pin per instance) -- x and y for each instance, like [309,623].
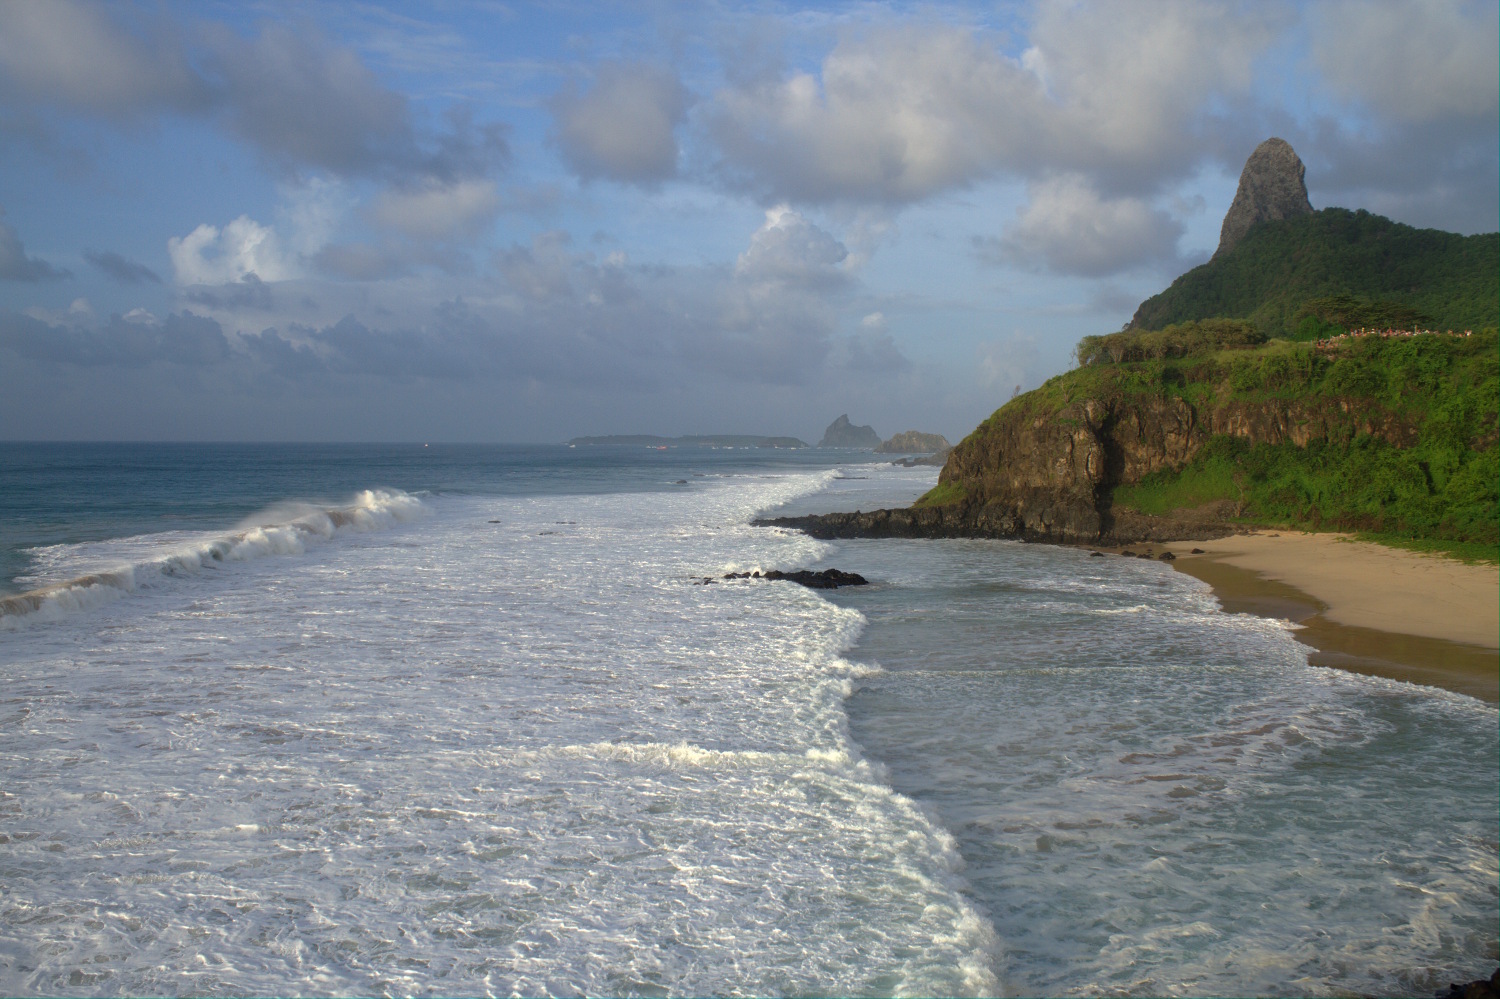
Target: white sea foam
[92,574]
[533,756]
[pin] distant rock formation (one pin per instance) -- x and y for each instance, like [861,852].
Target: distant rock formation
[914,442]
[842,433]
[1271,187]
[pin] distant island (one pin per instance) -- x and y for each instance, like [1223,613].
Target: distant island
[914,442]
[709,440]
[1329,370]
[842,433]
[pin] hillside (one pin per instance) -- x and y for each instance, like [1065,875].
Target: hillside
[1451,281]
[1396,436]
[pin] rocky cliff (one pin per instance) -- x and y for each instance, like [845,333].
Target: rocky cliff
[1379,434]
[1272,186]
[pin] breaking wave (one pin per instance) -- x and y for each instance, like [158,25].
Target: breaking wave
[283,529]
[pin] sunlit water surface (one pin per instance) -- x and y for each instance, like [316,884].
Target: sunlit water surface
[440,728]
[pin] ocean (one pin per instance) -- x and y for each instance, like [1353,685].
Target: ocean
[287,719]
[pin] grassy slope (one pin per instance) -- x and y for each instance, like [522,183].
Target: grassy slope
[1452,280]
[1442,493]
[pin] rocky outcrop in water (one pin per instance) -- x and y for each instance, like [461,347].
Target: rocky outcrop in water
[842,433]
[1271,187]
[914,442]
[828,579]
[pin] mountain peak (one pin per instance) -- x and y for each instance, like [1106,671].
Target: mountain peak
[1271,187]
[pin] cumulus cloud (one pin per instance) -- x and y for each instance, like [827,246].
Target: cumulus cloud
[438,211]
[309,103]
[15,265]
[624,126]
[1069,228]
[76,55]
[1422,81]
[299,100]
[184,339]
[896,115]
[210,255]
[120,269]
[789,249]
[1411,61]
[869,350]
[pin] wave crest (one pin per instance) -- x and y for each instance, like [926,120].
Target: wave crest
[285,529]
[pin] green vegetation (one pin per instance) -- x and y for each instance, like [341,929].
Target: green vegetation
[1431,474]
[1288,279]
[1179,340]
[942,494]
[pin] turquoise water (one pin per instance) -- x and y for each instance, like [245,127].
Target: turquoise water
[409,720]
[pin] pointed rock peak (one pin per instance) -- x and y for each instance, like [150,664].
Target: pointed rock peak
[842,433]
[1271,187]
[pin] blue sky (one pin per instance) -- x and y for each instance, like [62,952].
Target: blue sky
[487,221]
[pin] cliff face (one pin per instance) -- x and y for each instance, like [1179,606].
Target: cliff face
[1051,475]
[1271,187]
[1399,435]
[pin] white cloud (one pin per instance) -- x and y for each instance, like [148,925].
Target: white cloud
[79,312]
[209,255]
[898,114]
[624,127]
[1414,60]
[1068,227]
[439,211]
[298,99]
[75,54]
[788,248]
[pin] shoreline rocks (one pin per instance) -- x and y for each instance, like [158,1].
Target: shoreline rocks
[827,579]
[997,523]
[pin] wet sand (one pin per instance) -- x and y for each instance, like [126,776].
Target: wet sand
[1362,607]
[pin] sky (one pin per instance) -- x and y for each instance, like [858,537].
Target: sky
[520,223]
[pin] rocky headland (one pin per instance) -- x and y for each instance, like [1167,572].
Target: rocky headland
[1215,424]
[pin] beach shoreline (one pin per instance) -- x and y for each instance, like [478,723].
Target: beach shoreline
[1362,607]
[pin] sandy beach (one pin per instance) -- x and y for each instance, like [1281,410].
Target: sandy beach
[1364,607]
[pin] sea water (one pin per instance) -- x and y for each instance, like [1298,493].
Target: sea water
[470,721]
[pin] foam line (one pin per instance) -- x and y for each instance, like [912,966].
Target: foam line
[285,529]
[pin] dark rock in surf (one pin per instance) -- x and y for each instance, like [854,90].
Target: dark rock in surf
[1168,557]
[828,579]
[1478,989]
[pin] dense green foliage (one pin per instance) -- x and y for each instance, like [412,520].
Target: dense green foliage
[1445,484]
[1180,340]
[1398,274]
[1433,475]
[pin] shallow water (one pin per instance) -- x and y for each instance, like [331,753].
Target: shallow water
[1157,798]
